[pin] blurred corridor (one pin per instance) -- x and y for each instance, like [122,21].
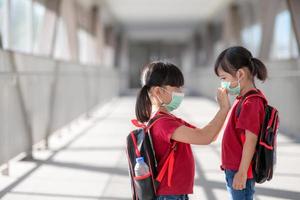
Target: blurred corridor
[69,73]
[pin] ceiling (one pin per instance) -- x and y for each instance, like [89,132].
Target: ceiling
[160,19]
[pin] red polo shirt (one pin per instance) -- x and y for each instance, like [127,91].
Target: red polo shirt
[251,117]
[184,166]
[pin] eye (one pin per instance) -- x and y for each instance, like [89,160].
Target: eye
[181,90]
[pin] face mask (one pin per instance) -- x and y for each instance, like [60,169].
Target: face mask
[177,98]
[232,91]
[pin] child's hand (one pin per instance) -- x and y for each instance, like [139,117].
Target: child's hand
[239,181]
[223,99]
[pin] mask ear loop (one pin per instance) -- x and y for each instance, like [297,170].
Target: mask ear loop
[162,103]
[157,97]
[239,80]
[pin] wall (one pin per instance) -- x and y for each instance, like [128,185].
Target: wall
[40,95]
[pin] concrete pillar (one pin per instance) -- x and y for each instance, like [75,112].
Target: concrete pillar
[124,64]
[232,26]
[46,38]
[269,10]
[208,43]
[189,57]
[249,11]
[110,47]
[118,49]
[198,49]
[98,30]
[188,64]
[294,7]
[68,14]
[85,18]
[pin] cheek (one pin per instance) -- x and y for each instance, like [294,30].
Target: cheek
[234,84]
[167,98]
[229,79]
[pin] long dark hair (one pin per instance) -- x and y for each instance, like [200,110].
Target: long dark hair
[235,58]
[155,74]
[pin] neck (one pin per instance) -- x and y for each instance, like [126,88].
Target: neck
[246,89]
[160,109]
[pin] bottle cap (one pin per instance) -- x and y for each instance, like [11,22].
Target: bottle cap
[139,159]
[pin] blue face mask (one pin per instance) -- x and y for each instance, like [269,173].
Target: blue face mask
[177,98]
[232,91]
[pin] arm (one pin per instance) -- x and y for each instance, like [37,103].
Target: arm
[207,134]
[204,135]
[240,178]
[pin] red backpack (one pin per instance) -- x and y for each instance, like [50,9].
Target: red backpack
[139,144]
[265,155]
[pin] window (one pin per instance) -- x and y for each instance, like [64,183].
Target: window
[87,47]
[21,25]
[61,48]
[251,38]
[1,22]
[284,44]
[38,19]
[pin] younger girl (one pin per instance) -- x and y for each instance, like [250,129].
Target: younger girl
[237,69]
[161,94]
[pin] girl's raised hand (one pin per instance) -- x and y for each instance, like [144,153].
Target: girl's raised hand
[223,99]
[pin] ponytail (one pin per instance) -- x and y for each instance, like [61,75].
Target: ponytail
[143,106]
[259,69]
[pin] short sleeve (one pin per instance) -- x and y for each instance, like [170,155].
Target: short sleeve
[251,115]
[165,127]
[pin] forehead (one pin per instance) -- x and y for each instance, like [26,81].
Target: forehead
[221,72]
[173,88]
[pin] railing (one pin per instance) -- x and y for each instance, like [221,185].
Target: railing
[40,95]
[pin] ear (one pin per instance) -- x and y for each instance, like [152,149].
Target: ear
[155,91]
[241,74]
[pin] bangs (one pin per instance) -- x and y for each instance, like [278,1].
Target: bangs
[174,76]
[223,63]
[162,74]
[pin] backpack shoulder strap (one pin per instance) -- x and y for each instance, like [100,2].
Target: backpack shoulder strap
[168,165]
[153,120]
[250,94]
